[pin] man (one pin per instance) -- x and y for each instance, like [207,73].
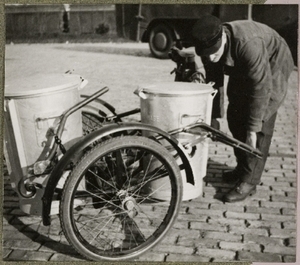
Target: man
[258,63]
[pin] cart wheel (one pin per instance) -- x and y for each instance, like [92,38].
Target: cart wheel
[91,122]
[95,114]
[109,210]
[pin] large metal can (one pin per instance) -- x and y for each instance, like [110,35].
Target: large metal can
[32,111]
[174,105]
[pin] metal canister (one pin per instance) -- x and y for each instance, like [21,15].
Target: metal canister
[33,106]
[173,105]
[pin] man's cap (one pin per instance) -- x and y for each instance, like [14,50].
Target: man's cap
[207,35]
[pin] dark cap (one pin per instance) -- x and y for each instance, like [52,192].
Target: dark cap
[207,34]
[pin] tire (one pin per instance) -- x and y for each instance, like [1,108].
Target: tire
[160,41]
[109,211]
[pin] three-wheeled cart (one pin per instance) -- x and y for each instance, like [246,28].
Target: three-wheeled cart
[117,186]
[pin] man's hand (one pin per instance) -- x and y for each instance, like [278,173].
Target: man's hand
[251,139]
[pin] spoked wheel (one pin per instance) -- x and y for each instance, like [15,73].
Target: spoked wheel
[91,122]
[121,198]
[95,114]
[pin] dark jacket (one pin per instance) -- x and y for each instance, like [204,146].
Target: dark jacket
[254,57]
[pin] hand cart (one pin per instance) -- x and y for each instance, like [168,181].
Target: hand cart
[108,208]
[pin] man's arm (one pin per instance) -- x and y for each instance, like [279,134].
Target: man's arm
[214,73]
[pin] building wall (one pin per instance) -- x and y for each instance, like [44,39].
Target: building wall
[24,21]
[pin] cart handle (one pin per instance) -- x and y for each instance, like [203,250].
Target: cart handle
[218,135]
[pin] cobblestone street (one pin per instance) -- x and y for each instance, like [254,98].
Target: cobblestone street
[260,229]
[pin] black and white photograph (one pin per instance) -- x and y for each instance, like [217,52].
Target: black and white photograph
[146,132]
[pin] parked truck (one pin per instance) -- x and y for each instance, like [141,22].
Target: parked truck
[161,25]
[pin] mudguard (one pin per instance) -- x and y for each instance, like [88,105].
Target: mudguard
[73,154]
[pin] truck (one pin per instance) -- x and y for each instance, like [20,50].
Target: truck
[164,25]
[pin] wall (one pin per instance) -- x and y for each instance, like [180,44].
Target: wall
[30,21]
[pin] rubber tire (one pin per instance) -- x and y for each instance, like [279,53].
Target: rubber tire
[79,170]
[163,31]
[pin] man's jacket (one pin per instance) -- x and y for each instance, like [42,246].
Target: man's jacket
[255,56]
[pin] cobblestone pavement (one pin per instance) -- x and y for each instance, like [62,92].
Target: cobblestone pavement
[261,229]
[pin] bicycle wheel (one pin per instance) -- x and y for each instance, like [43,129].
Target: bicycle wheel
[109,210]
[91,122]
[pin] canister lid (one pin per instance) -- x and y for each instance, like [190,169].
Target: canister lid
[39,84]
[177,89]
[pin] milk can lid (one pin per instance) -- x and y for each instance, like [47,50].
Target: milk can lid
[177,89]
[39,84]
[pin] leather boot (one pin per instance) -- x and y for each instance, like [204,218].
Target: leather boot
[240,192]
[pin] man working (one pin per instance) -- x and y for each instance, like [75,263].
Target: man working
[258,63]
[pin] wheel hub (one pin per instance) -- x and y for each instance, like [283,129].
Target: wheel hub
[130,206]
[160,41]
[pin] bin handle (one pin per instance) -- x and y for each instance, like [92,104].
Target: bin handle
[139,92]
[191,116]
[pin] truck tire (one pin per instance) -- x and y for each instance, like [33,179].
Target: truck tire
[161,39]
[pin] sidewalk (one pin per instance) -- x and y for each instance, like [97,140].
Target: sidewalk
[260,229]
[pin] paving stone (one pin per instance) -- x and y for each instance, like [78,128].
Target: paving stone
[289,225]
[6,252]
[187,242]
[282,233]
[170,239]
[216,253]
[174,249]
[193,216]
[185,258]
[277,218]
[258,257]
[246,230]
[209,212]
[27,220]
[207,226]
[151,256]
[247,216]
[227,207]
[62,257]
[7,234]
[206,243]
[281,198]
[222,236]
[252,209]
[57,247]
[189,233]
[280,250]
[21,244]
[291,242]
[289,259]
[181,224]
[225,221]
[29,256]
[263,224]
[253,247]
[263,240]
[194,204]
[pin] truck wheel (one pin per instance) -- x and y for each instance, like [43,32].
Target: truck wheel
[160,41]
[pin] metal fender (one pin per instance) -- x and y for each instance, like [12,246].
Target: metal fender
[73,154]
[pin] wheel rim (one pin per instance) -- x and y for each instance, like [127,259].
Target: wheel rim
[118,214]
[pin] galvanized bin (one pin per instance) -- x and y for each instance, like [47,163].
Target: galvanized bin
[32,110]
[174,105]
